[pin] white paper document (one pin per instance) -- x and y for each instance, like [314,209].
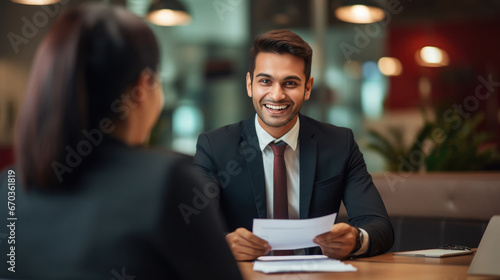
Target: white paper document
[292,258]
[302,264]
[292,234]
[434,253]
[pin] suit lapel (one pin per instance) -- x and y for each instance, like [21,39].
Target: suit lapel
[255,165]
[308,155]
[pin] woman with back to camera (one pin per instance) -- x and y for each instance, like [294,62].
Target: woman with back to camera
[90,202]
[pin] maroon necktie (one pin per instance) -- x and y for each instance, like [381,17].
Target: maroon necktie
[280,195]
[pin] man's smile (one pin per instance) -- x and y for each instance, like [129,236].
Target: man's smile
[276,107]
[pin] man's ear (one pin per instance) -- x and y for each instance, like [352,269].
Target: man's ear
[308,88]
[249,85]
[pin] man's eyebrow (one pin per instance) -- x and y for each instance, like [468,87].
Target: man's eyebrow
[264,75]
[292,77]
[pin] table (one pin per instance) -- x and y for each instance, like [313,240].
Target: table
[386,266]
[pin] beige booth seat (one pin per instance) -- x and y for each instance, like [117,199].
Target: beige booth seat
[429,210]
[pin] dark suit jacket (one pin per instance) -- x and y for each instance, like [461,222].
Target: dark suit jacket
[121,220]
[331,169]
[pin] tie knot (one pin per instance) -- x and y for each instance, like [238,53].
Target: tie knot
[279,148]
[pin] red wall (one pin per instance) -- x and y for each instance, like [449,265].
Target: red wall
[473,47]
[6,157]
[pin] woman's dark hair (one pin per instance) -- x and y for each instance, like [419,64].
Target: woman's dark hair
[91,55]
[282,41]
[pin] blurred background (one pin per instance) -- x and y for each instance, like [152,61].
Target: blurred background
[417,81]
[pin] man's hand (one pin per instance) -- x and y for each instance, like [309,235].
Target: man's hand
[339,242]
[247,246]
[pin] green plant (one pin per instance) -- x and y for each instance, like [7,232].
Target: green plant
[396,154]
[459,147]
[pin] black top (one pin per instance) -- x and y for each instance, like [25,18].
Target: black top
[121,220]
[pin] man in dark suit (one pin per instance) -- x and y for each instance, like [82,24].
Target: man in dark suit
[323,162]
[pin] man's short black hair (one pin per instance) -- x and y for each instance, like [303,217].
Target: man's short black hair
[281,42]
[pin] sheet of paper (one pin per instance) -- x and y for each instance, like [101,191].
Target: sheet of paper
[307,265]
[292,234]
[434,253]
[291,258]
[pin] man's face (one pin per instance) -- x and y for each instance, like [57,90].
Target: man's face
[278,90]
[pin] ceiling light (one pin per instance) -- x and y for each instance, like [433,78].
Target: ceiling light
[35,2]
[432,57]
[168,13]
[359,12]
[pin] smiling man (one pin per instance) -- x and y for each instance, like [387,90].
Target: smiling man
[278,86]
[318,165]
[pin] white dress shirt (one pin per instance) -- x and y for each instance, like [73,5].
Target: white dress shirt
[292,163]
